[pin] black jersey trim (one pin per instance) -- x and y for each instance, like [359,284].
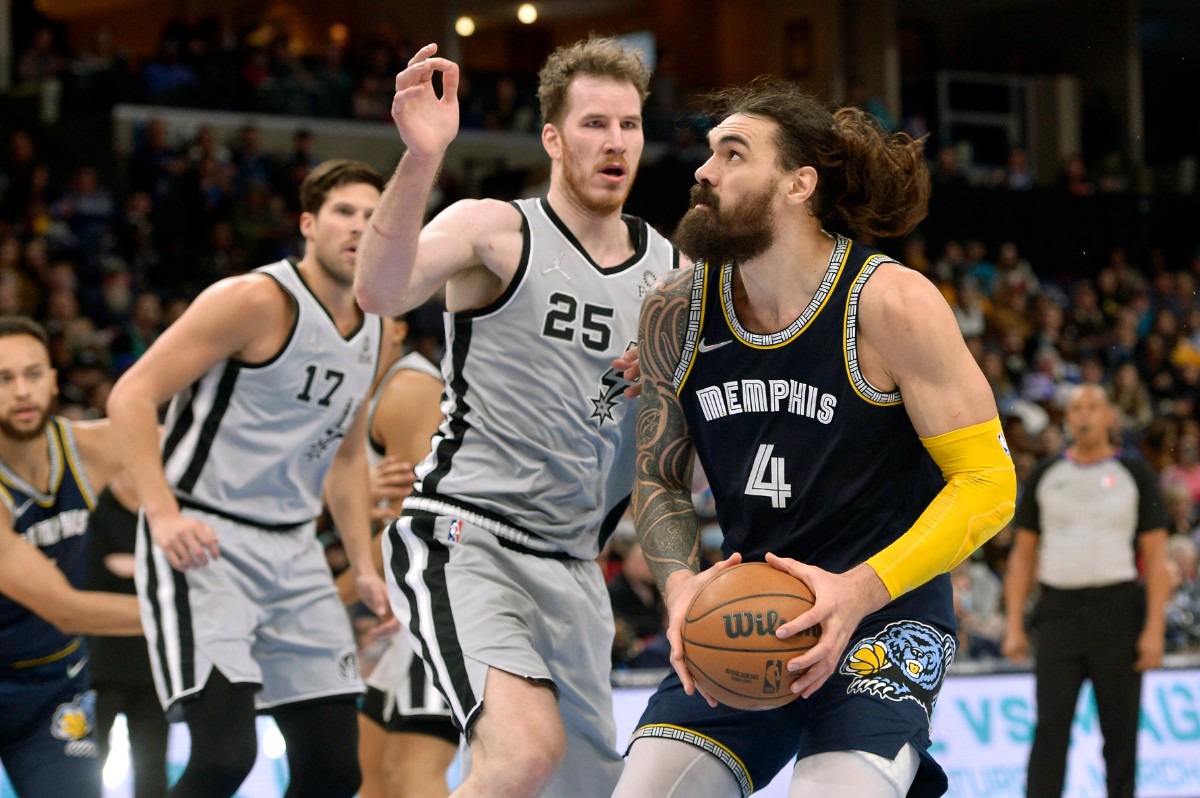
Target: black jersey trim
[291,332]
[183,423]
[637,234]
[210,425]
[518,277]
[362,317]
[862,387]
[833,271]
[455,426]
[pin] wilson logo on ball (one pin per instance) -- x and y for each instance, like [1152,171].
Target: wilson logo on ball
[750,624]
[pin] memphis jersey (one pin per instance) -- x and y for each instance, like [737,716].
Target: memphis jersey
[413,361]
[253,442]
[806,459]
[537,444]
[55,522]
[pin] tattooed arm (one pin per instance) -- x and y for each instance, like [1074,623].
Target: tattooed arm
[662,495]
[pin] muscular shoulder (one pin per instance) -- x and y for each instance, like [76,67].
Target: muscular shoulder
[477,218]
[898,298]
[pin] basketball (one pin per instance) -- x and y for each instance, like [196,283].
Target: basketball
[729,641]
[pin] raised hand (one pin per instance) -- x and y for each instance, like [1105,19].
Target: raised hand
[427,123]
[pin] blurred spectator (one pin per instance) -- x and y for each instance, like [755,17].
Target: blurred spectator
[507,110]
[40,67]
[1073,179]
[1017,174]
[1132,400]
[1183,607]
[639,613]
[977,606]
[168,80]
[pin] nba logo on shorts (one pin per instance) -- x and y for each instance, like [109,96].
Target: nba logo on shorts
[454,534]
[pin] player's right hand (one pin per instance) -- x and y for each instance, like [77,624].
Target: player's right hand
[427,123]
[186,542]
[681,589]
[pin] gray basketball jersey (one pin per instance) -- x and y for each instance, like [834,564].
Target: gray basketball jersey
[413,361]
[537,445]
[253,442]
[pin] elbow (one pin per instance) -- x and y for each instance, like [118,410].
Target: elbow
[370,300]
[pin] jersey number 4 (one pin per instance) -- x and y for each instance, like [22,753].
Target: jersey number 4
[774,488]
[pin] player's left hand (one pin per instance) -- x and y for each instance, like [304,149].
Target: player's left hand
[681,589]
[631,371]
[842,601]
[373,592]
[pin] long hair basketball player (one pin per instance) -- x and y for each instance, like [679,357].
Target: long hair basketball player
[823,386]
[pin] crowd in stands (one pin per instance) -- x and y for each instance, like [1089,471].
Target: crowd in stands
[106,267]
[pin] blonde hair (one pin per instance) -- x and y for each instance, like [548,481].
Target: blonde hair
[600,56]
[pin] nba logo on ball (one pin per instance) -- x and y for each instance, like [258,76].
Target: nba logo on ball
[454,534]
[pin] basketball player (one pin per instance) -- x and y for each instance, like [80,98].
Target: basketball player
[50,470]
[406,736]
[492,563]
[822,386]
[268,372]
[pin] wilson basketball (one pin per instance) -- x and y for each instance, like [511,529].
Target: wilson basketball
[729,641]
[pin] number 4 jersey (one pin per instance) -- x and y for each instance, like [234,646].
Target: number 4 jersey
[253,442]
[806,459]
[538,443]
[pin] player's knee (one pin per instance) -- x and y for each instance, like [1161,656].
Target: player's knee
[849,774]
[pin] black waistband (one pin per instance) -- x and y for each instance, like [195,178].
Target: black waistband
[498,526]
[192,504]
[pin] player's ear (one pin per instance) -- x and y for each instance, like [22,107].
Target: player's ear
[307,220]
[552,141]
[803,185]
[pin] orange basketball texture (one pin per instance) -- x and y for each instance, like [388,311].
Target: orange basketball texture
[729,641]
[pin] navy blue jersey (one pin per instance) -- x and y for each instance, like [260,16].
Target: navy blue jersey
[806,459]
[54,522]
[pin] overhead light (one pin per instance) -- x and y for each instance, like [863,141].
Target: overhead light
[527,13]
[464,26]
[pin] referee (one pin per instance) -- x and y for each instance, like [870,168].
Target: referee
[1086,520]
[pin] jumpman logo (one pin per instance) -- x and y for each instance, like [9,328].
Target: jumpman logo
[556,266]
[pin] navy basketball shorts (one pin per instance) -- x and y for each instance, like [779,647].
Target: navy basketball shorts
[880,697]
[47,728]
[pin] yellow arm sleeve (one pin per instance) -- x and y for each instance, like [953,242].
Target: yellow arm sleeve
[978,500]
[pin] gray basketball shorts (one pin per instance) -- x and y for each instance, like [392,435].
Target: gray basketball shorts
[264,613]
[469,603]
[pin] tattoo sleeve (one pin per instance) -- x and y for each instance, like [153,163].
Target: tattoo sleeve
[662,495]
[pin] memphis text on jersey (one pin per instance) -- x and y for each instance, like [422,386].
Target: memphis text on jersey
[766,396]
[67,524]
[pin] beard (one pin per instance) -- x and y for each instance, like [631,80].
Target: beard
[719,236]
[575,178]
[333,269]
[24,435]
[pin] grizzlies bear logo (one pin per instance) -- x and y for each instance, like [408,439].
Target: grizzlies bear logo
[907,660]
[73,723]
